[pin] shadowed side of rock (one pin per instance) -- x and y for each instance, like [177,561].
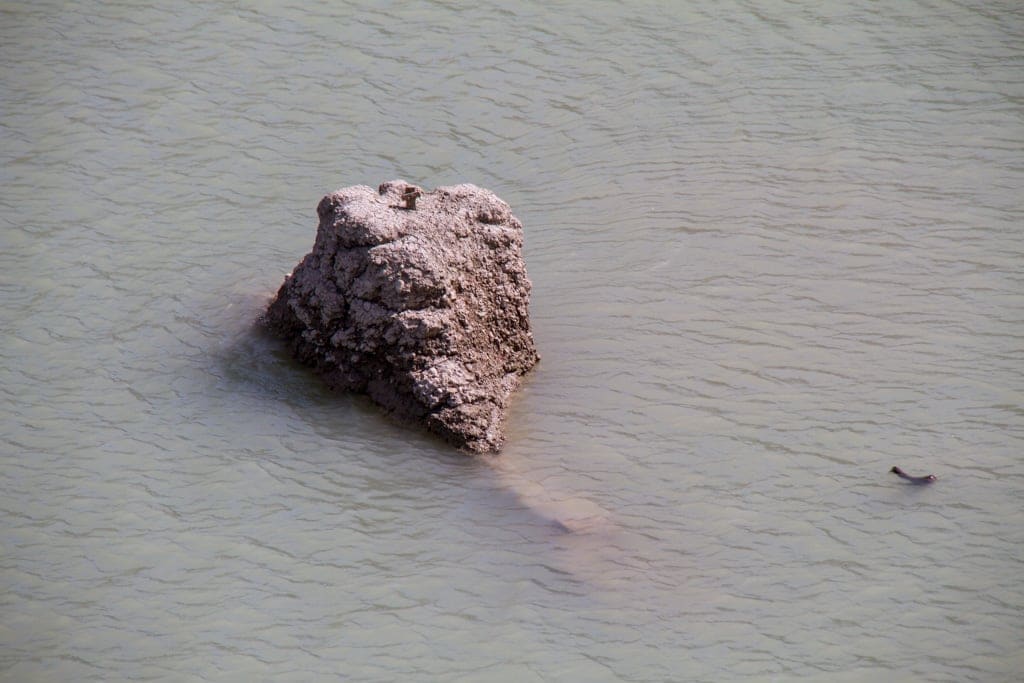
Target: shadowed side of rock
[419,300]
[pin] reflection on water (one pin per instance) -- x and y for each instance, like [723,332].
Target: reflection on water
[775,252]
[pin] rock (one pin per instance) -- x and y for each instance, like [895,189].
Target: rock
[419,300]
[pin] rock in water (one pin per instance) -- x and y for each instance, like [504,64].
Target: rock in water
[419,300]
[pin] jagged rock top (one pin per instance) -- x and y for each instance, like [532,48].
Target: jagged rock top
[418,299]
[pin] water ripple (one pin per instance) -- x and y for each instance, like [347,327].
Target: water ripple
[774,253]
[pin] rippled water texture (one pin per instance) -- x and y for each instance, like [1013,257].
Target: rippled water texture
[776,250]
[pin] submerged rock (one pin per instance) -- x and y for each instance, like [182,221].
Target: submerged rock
[419,300]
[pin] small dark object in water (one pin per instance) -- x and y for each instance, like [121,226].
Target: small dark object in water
[913,480]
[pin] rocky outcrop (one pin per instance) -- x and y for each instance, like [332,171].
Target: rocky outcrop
[419,300]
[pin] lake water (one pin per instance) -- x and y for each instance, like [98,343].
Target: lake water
[776,249]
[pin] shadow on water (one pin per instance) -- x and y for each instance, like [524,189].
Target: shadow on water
[482,497]
[498,492]
[251,361]
[254,362]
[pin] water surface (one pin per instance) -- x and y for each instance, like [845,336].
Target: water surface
[776,249]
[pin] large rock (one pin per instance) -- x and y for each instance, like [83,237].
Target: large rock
[419,300]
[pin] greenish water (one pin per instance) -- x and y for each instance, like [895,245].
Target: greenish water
[776,249]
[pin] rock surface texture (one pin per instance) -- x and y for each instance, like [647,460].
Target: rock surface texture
[419,300]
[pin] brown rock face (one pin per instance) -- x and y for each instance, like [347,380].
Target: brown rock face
[419,300]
